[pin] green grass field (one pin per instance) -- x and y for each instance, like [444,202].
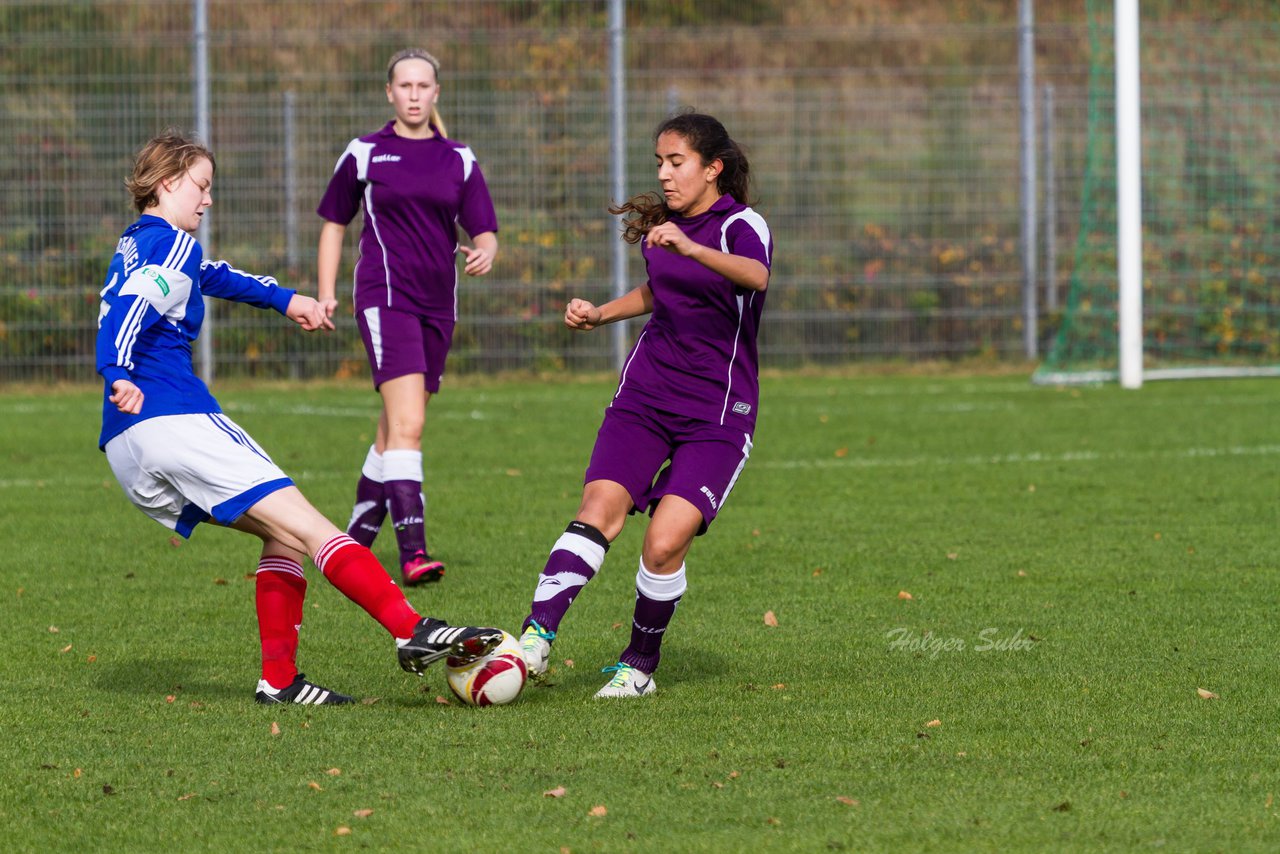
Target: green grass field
[1079,565]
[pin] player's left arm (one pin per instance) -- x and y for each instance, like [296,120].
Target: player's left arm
[480,256]
[746,264]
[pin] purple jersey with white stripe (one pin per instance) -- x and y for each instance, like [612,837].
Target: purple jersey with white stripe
[697,354]
[415,193]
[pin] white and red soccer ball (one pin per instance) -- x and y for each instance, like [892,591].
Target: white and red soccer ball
[491,680]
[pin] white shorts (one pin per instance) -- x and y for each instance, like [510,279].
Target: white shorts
[182,470]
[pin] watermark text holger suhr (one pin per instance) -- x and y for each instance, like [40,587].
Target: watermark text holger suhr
[990,639]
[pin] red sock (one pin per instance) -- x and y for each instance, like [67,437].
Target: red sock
[280,591]
[354,570]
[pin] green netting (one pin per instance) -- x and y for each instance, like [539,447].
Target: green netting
[1210,193]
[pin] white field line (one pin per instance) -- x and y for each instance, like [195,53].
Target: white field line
[1032,457]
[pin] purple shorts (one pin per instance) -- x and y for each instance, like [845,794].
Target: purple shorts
[399,344]
[703,460]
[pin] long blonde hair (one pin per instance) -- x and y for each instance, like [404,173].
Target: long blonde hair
[419,53]
[170,154]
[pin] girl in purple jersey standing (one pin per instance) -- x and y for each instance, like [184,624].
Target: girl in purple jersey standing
[678,431]
[416,187]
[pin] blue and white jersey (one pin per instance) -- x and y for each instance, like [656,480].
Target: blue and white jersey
[152,308]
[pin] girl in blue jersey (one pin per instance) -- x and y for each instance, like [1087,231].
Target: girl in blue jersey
[182,461]
[416,187]
[678,431]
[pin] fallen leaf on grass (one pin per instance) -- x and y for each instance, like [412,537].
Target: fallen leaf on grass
[773,821]
[66,648]
[902,594]
[770,619]
[1206,694]
[334,772]
[53,630]
[847,801]
[108,789]
[221,582]
[91,659]
[781,686]
[175,542]
[817,572]
[733,775]
[842,452]
[187,796]
[1065,806]
[568,662]
[275,728]
[342,831]
[444,701]
[952,555]
[934,722]
[716,784]
[513,472]
[365,813]
[314,786]
[1022,573]
[1270,801]
[169,698]
[557,792]
[598,810]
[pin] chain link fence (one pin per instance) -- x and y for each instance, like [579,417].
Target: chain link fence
[885,151]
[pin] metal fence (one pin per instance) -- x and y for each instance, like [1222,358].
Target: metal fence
[885,153]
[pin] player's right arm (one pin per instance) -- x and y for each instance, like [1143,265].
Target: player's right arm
[584,315]
[339,205]
[328,255]
[127,312]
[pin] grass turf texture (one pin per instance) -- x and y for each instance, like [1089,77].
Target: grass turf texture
[1079,562]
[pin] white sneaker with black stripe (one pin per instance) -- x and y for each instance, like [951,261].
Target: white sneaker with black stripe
[435,639]
[299,692]
[627,682]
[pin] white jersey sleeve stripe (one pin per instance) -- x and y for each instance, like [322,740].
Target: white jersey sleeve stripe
[129,332]
[758,225]
[468,161]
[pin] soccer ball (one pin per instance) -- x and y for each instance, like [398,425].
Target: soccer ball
[491,680]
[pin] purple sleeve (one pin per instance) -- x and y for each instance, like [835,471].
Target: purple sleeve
[748,236]
[342,198]
[475,209]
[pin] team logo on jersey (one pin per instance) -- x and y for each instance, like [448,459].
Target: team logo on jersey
[386,158]
[159,279]
[742,408]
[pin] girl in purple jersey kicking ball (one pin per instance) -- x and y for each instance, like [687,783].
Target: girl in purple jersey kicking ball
[416,187]
[678,431]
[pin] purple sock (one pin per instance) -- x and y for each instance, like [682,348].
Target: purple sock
[369,511]
[402,476]
[575,559]
[404,499]
[656,599]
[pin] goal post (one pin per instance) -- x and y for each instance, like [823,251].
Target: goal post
[1176,267]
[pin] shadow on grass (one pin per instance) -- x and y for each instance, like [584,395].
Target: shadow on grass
[166,676]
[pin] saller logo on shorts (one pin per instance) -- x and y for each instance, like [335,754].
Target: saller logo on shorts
[742,408]
[159,279]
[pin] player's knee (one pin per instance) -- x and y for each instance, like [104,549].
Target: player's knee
[664,553]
